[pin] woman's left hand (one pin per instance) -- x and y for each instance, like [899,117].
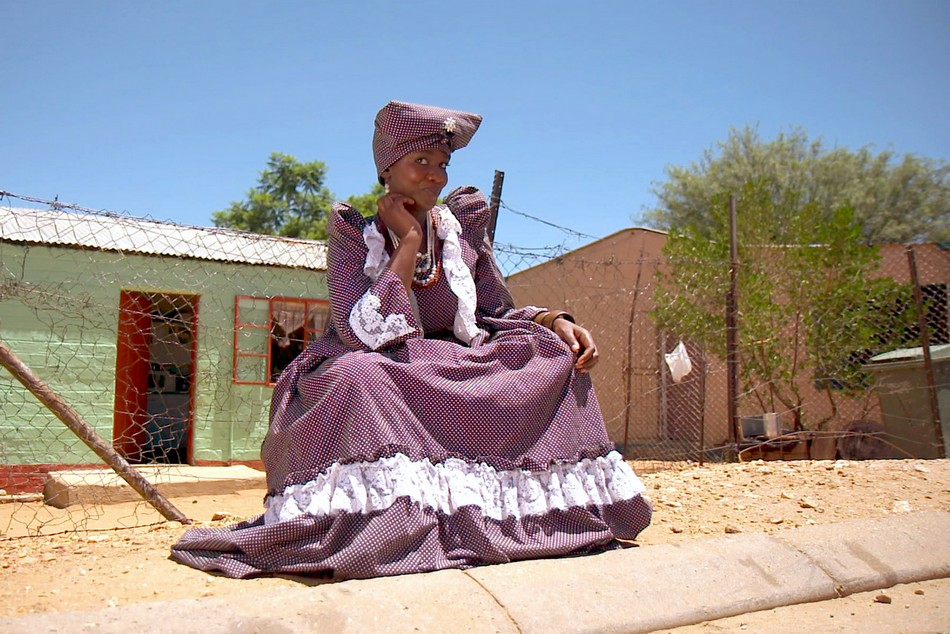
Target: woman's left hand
[580,341]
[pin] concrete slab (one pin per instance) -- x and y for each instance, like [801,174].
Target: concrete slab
[870,554]
[104,486]
[663,586]
[445,601]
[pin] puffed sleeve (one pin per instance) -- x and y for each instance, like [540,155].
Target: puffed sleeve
[369,304]
[468,204]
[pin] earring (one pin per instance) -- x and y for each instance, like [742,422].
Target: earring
[386,187]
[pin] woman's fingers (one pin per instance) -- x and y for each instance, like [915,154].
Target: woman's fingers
[589,356]
[394,212]
[580,341]
[587,360]
[395,204]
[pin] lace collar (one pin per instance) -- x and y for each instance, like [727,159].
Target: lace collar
[457,273]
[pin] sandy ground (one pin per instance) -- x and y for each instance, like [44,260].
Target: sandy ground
[108,555]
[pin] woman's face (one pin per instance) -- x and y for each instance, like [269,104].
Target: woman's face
[419,175]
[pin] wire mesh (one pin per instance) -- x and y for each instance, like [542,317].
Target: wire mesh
[167,339]
[811,384]
[163,338]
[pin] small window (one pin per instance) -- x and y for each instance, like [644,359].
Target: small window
[269,333]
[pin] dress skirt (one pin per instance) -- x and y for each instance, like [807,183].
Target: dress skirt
[433,455]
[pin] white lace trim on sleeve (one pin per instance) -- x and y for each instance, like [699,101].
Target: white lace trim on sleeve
[376,256]
[365,487]
[371,327]
[458,275]
[366,320]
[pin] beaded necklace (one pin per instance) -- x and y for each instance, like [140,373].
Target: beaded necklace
[427,267]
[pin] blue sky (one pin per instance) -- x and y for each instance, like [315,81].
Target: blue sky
[171,109]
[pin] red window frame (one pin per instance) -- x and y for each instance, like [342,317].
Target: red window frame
[260,336]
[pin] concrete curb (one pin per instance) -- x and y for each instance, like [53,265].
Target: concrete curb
[633,590]
[657,587]
[870,555]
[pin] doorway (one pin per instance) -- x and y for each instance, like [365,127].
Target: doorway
[154,386]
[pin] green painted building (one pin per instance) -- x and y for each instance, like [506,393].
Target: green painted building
[165,339]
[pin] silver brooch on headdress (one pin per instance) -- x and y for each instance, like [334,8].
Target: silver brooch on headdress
[449,125]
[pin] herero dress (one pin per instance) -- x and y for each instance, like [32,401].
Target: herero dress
[391,453]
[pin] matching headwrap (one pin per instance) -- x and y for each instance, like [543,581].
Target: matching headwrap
[402,128]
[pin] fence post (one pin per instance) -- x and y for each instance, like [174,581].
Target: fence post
[628,358]
[732,328]
[925,345]
[702,408]
[88,435]
[495,202]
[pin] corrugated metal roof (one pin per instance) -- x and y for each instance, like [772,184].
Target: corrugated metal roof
[137,235]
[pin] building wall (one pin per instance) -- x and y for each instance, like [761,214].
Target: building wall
[59,313]
[608,285]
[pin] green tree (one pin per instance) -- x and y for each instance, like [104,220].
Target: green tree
[290,199]
[810,309]
[894,198]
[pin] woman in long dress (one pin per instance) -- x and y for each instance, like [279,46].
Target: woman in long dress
[434,425]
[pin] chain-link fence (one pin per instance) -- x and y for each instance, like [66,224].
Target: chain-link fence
[164,341]
[810,322]
[161,340]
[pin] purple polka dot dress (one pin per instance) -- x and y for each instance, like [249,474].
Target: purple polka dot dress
[437,429]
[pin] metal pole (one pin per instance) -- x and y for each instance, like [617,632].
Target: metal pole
[88,435]
[925,344]
[495,202]
[732,327]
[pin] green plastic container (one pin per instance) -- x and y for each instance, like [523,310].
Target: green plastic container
[900,380]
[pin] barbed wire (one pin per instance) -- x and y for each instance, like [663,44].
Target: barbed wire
[567,230]
[549,251]
[57,205]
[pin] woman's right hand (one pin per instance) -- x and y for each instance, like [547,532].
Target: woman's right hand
[395,212]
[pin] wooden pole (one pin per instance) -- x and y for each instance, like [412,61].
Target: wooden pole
[732,330]
[628,359]
[702,409]
[494,204]
[925,345]
[88,435]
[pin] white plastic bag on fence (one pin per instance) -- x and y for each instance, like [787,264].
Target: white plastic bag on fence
[678,362]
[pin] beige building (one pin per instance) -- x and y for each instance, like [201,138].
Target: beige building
[608,285]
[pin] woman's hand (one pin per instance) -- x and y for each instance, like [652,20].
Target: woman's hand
[580,341]
[395,210]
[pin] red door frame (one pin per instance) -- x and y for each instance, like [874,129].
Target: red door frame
[192,383]
[132,368]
